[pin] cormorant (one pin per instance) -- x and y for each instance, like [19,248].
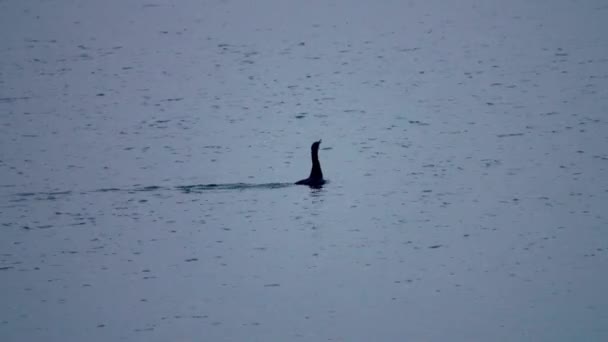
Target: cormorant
[316,175]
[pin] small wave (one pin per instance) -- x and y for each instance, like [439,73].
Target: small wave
[52,193]
[196,188]
[229,186]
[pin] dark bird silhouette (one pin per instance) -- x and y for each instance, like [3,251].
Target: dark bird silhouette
[315,180]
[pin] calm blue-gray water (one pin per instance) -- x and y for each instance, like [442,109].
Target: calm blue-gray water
[148,151]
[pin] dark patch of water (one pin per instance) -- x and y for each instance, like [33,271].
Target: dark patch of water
[230,186]
[195,188]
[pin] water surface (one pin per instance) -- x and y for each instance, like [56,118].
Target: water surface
[148,153]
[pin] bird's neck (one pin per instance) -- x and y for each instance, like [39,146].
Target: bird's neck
[316,172]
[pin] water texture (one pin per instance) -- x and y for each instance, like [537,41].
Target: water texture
[148,152]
